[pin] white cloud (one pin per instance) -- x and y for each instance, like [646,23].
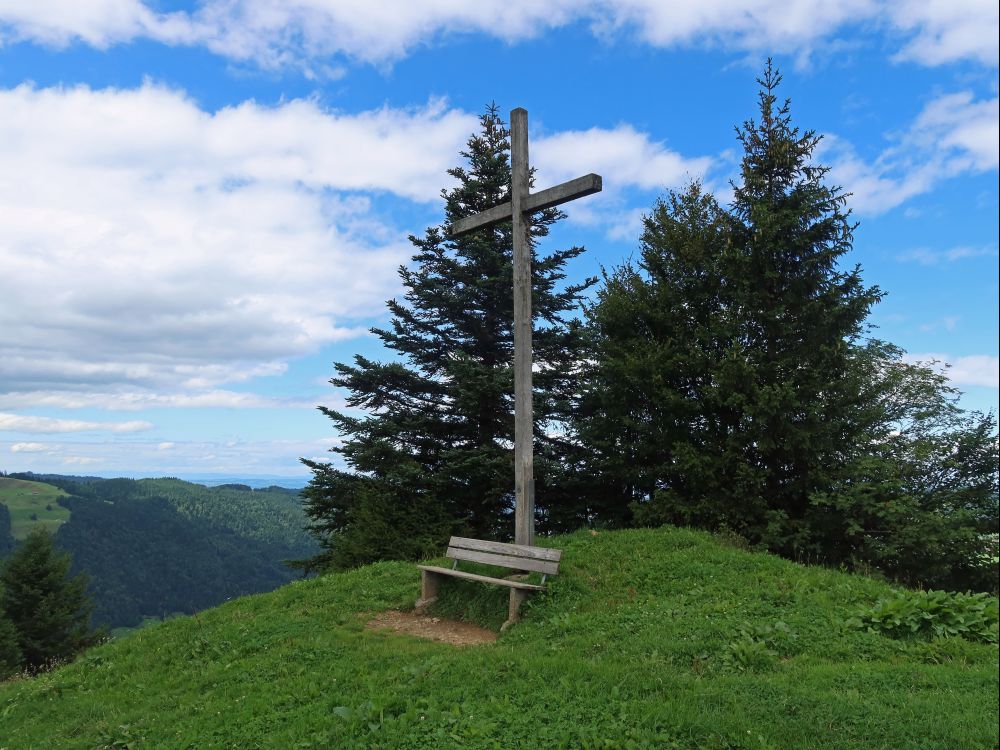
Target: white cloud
[771,25]
[927,257]
[234,458]
[148,244]
[958,123]
[622,156]
[28,448]
[153,251]
[99,23]
[273,33]
[79,460]
[945,31]
[971,370]
[954,134]
[626,159]
[137,400]
[20,423]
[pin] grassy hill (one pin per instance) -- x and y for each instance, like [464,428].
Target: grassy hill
[649,639]
[25,499]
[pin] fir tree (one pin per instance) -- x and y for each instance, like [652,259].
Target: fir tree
[428,438]
[726,356]
[49,609]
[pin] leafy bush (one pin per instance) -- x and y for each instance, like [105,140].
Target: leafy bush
[933,614]
[757,647]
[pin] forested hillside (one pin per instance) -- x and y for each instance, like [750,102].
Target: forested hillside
[155,547]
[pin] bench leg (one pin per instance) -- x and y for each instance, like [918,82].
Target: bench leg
[428,589]
[517,597]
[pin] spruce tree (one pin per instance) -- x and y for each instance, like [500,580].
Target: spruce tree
[47,607]
[659,330]
[728,350]
[427,440]
[797,315]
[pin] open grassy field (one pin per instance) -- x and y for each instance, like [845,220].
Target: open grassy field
[32,503]
[648,639]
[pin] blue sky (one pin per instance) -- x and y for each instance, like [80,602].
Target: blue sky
[203,204]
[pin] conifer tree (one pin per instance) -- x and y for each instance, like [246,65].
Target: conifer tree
[727,353]
[49,609]
[428,435]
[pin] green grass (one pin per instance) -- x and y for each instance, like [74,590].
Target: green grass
[648,639]
[26,499]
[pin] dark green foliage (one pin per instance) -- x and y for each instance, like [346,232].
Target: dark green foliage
[157,546]
[930,614]
[6,539]
[724,395]
[653,413]
[918,497]
[733,389]
[428,435]
[10,650]
[47,607]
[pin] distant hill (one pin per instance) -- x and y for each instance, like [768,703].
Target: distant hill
[156,547]
[31,503]
[659,639]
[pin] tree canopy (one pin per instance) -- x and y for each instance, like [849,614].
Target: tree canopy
[734,386]
[47,608]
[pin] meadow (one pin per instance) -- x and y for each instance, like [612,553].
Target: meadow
[660,638]
[32,503]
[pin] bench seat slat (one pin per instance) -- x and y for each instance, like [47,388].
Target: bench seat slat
[504,561]
[483,579]
[514,550]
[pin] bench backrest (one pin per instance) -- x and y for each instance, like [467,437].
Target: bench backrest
[514,556]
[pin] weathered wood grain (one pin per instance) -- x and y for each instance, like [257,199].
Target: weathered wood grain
[547,567]
[548,198]
[514,550]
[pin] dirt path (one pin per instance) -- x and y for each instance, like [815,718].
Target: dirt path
[432,628]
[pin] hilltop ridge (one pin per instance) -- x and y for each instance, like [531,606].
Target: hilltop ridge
[661,638]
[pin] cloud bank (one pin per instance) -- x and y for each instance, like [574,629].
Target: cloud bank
[273,33]
[154,252]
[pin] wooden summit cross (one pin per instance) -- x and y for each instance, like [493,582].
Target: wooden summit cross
[519,209]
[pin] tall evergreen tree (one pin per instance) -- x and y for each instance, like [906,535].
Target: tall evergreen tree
[726,355]
[428,439]
[49,609]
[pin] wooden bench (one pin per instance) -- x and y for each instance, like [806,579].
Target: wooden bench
[516,557]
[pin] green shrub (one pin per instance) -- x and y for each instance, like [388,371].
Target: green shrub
[757,647]
[933,614]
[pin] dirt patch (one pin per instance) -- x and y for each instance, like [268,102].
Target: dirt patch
[432,628]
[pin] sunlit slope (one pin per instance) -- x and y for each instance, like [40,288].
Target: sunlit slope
[646,639]
[32,503]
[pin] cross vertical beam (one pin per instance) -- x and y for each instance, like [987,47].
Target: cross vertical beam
[524,478]
[518,209]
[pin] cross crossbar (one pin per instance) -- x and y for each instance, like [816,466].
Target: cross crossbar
[553,196]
